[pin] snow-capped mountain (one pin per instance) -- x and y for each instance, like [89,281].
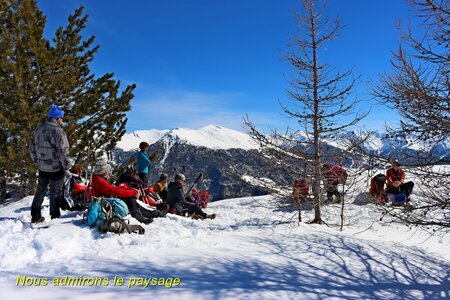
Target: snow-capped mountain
[405,148]
[130,141]
[231,162]
[227,158]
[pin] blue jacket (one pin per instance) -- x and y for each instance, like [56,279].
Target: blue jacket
[143,162]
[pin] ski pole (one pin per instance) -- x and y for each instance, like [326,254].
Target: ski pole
[190,190]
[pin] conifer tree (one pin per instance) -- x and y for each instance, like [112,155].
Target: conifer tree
[34,73]
[418,88]
[319,96]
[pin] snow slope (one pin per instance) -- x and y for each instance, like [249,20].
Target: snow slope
[130,141]
[213,137]
[252,250]
[210,136]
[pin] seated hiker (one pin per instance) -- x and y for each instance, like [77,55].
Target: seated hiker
[130,177]
[177,201]
[333,176]
[78,182]
[300,191]
[396,181]
[78,187]
[102,188]
[160,186]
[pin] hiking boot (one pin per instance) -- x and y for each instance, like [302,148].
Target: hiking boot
[143,219]
[147,221]
[162,213]
[194,216]
[211,216]
[338,200]
[39,220]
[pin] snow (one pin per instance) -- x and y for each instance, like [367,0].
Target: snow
[254,249]
[215,137]
[130,141]
[210,136]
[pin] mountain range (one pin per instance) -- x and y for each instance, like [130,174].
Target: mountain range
[231,163]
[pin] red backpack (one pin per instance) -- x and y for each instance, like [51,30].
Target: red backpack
[300,190]
[377,191]
[201,199]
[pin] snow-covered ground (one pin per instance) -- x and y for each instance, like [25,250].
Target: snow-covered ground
[252,250]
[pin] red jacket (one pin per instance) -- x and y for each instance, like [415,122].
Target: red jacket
[78,188]
[102,188]
[334,174]
[393,175]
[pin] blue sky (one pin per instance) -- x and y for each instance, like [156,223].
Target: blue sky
[197,62]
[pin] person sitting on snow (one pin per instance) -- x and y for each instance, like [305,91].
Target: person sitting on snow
[78,187]
[130,177]
[102,188]
[396,181]
[178,202]
[333,176]
[160,186]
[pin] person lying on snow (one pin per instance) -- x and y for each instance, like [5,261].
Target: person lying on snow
[396,181]
[102,188]
[178,202]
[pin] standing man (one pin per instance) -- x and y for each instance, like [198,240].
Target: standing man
[143,162]
[49,150]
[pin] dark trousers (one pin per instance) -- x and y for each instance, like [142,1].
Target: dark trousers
[138,212]
[332,190]
[163,195]
[405,188]
[54,181]
[144,178]
[190,209]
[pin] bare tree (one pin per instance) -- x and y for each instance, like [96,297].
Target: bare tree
[418,87]
[319,102]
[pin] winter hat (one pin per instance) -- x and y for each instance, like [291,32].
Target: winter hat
[163,176]
[101,167]
[180,176]
[55,112]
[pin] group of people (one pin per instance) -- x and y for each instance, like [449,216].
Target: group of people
[392,186]
[333,176]
[49,150]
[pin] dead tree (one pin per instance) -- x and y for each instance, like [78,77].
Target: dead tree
[321,103]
